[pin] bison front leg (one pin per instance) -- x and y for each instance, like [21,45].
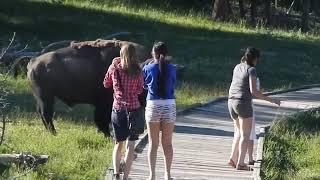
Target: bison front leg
[102,117]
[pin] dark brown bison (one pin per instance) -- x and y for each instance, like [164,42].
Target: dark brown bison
[74,75]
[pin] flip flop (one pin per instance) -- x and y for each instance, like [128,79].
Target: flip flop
[231,163]
[244,167]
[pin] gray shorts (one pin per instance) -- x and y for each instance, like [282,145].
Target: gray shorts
[240,108]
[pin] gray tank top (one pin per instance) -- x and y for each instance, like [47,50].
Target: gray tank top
[240,86]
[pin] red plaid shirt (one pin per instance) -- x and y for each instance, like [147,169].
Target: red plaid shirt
[132,87]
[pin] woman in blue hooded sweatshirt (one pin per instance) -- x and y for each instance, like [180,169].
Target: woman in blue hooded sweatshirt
[160,80]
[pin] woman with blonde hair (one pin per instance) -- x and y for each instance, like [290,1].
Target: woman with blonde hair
[125,76]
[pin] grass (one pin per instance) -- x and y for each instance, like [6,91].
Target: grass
[209,50]
[77,152]
[291,149]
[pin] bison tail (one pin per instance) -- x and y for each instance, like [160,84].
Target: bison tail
[31,72]
[30,63]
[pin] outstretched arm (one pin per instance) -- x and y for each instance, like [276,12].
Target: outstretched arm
[257,94]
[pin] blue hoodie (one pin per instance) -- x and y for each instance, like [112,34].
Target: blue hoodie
[150,74]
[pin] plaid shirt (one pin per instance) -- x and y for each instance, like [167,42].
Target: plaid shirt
[132,87]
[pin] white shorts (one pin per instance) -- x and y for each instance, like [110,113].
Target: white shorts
[161,111]
[253,134]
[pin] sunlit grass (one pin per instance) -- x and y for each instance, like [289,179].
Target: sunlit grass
[184,18]
[291,149]
[77,152]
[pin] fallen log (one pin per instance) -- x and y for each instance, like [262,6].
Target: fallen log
[6,159]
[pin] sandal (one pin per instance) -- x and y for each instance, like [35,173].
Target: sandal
[252,162]
[244,167]
[231,163]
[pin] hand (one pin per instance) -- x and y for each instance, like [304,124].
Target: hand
[116,61]
[276,101]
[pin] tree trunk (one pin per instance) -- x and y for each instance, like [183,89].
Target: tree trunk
[305,15]
[242,10]
[316,7]
[253,11]
[221,10]
[267,12]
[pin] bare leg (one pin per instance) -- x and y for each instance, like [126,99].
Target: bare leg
[166,142]
[116,156]
[250,150]
[245,129]
[153,132]
[235,144]
[128,159]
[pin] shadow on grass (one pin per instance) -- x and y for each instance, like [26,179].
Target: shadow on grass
[208,54]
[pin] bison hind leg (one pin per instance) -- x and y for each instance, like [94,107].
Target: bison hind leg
[45,108]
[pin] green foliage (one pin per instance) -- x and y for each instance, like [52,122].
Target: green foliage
[291,149]
[77,152]
[209,50]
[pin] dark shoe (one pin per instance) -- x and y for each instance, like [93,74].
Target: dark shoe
[252,162]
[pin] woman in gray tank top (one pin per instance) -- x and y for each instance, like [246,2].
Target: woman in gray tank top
[242,89]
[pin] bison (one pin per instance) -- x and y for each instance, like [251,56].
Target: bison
[75,75]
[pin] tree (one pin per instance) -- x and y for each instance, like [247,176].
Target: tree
[221,10]
[267,12]
[305,15]
[242,10]
[316,7]
[253,11]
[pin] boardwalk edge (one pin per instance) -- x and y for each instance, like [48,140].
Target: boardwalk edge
[257,164]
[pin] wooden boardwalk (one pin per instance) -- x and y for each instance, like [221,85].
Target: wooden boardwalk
[203,138]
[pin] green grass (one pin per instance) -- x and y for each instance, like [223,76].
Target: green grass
[291,149]
[209,50]
[77,152]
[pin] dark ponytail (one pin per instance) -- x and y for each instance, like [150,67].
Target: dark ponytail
[159,52]
[250,55]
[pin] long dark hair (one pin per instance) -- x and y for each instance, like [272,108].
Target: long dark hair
[250,55]
[160,51]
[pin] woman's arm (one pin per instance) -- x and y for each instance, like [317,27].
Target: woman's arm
[140,84]
[174,76]
[257,94]
[107,82]
[145,74]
